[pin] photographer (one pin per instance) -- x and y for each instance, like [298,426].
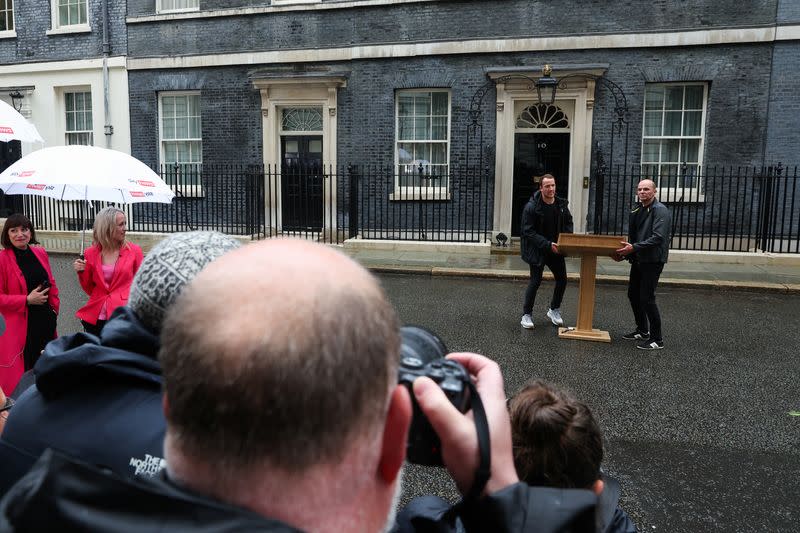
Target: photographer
[287,414]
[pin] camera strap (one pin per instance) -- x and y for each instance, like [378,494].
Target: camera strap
[484,469]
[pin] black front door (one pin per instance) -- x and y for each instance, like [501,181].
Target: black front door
[9,153]
[536,154]
[301,183]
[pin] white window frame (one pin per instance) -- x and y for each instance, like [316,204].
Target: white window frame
[186,189]
[677,193]
[160,8]
[9,13]
[90,130]
[430,192]
[55,23]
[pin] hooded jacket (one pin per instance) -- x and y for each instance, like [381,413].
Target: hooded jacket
[534,247]
[67,495]
[95,399]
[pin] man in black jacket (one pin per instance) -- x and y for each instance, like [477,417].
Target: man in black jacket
[286,414]
[545,216]
[99,399]
[647,249]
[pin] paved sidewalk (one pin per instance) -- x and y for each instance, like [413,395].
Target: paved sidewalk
[755,272]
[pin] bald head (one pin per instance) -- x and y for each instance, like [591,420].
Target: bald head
[646,192]
[279,352]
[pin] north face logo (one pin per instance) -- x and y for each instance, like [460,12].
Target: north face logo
[149,466]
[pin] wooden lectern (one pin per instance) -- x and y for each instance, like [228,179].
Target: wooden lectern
[588,247]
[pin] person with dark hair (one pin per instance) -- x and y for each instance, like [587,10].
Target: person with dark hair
[273,425]
[544,218]
[99,399]
[107,271]
[28,300]
[557,443]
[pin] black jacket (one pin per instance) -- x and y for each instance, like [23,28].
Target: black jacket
[95,399]
[559,510]
[64,495]
[651,239]
[534,247]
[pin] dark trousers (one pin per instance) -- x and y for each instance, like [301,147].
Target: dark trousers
[642,295]
[93,329]
[558,267]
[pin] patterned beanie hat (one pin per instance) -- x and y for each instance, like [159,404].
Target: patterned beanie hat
[170,265]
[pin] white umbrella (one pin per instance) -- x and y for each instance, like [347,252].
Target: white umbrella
[85,173]
[15,127]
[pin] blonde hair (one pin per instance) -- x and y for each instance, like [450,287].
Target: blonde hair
[103,230]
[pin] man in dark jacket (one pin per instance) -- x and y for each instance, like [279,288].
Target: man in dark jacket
[647,249]
[99,399]
[545,216]
[288,414]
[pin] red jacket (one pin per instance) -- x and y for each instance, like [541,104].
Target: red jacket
[14,307]
[93,283]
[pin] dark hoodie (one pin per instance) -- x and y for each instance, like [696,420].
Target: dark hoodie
[95,399]
[534,247]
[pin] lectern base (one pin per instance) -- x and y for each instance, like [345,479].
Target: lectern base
[584,334]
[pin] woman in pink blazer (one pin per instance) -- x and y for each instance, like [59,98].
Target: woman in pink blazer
[28,300]
[107,271]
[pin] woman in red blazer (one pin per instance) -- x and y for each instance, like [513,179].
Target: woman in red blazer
[28,300]
[107,271]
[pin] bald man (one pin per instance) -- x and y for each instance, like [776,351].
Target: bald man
[283,413]
[647,249]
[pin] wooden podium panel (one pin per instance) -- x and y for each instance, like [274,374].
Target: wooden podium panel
[588,247]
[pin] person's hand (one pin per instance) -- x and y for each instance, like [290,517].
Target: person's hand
[627,248]
[554,248]
[38,296]
[79,265]
[457,431]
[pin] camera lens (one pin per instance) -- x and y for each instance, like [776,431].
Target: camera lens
[421,344]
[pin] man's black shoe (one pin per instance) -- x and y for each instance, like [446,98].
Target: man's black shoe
[650,345]
[637,336]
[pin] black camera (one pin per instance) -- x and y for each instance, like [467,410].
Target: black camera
[422,354]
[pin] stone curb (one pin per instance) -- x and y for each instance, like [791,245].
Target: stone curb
[521,275]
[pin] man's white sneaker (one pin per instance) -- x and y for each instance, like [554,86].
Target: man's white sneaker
[526,322]
[555,317]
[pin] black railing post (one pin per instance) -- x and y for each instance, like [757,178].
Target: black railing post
[765,209]
[599,184]
[352,175]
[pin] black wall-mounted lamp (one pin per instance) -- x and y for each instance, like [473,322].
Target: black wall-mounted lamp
[546,86]
[16,99]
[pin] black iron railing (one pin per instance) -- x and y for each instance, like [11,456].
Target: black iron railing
[742,209]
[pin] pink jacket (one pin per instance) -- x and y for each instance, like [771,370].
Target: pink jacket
[116,294]
[14,307]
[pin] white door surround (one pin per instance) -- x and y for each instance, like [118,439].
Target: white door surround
[575,94]
[280,92]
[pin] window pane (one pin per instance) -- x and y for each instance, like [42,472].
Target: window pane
[669,176]
[671,152]
[422,128]
[405,153]
[168,128]
[691,151]
[674,98]
[422,104]
[691,122]
[405,105]
[654,97]
[63,15]
[440,104]
[438,153]
[181,128]
[650,151]
[194,127]
[672,123]
[82,18]
[694,97]
[406,129]
[439,131]
[71,122]
[652,122]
